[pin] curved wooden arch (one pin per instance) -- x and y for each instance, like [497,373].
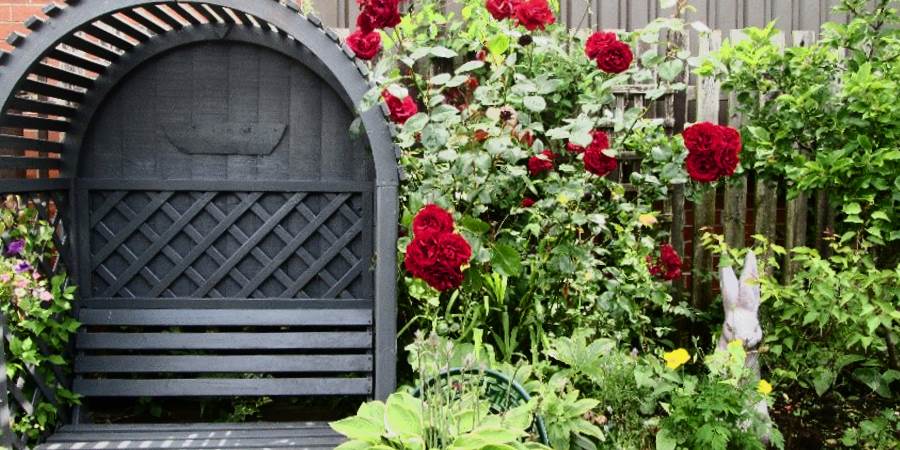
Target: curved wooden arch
[145,28]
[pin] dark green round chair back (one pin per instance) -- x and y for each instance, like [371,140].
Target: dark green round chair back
[503,392]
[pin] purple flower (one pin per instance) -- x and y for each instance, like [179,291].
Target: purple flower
[15,248]
[22,266]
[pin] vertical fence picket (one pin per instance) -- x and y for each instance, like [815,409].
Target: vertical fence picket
[734,215]
[797,207]
[766,195]
[708,91]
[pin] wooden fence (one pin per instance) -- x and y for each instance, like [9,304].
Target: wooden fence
[749,206]
[633,14]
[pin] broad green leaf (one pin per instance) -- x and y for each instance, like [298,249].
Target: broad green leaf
[498,45]
[664,441]
[535,103]
[470,66]
[403,415]
[506,260]
[443,52]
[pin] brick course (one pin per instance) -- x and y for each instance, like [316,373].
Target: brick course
[13,13]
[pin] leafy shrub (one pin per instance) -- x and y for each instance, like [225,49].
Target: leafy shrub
[36,311]
[810,113]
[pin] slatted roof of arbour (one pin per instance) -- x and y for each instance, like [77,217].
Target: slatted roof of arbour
[58,75]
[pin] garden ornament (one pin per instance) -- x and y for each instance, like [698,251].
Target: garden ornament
[741,299]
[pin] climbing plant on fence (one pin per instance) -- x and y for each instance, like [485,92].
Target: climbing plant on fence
[36,299]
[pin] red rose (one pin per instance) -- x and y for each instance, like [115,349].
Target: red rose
[502,9]
[599,140]
[597,42]
[420,253]
[703,136]
[526,138]
[614,57]
[669,256]
[528,202]
[534,14]
[598,163]
[728,160]
[574,148]
[378,14]
[442,277]
[401,110]
[481,135]
[472,82]
[668,266]
[453,249]
[365,45]
[432,220]
[481,55]
[540,164]
[731,139]
[702,166]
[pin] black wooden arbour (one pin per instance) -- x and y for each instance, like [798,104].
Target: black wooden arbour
[205,179]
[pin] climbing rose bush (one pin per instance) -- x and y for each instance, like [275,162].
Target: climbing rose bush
[515,221]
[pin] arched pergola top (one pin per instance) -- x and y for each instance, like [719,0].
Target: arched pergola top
[87,47]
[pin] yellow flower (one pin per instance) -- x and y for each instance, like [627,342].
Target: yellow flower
[563,199]
[676,358]
[647,220]
[764,387]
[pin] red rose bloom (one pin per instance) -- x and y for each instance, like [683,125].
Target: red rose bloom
[453,249]
[668,266]
[528,202]
[597,42]
[432,220]
[534,14]
[442,277]
[703,136]
[401,110]
[599,141]
[481,135]
[378,14]
[365,45]
[540,164]
[731,139]
[669,256]
[572,147]
[421,253]
[598,163]
[614,57]
[728,161]
[702,166]
[502,9]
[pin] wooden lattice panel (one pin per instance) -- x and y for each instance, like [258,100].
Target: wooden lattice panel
[193,244]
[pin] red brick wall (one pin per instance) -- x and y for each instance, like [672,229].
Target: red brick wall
[14,12]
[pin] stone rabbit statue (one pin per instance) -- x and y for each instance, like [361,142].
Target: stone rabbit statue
[741,299]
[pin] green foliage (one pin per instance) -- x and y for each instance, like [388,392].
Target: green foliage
[36,311]
[810,113]
[714,410]
[876,433]
[583,231]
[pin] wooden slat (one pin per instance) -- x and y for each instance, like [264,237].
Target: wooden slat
[192,387]
[231,317]
[189,427]
[109,37]
[218,443]
[222,364]
[22,143]
[62,75]
[15,162]
[76,60]
[34,123]
[49,90]
[143,21]
[224,341]
[705,208]
[39,107]
[119,434]
[91,48]
[161,14]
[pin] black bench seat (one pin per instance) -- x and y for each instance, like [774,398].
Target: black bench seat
[272,435]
